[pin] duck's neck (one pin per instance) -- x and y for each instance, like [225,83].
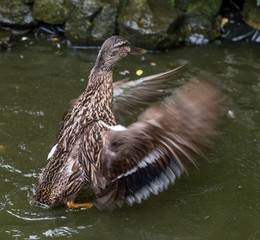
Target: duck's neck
[100,95]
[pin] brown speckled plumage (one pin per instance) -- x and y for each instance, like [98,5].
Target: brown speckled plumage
[126,165]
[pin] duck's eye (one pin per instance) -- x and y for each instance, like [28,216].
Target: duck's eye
[114,52]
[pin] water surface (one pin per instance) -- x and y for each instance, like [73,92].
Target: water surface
[219,201]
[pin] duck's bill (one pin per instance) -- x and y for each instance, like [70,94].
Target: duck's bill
[137,51]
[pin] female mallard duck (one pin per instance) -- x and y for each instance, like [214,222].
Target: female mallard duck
[125,164]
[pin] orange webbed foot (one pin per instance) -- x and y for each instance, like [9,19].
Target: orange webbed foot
[79,205]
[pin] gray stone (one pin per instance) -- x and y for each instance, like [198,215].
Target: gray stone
[151,24]
[16,12]
[146,23]
[208,7]
[28,1]
[199,25]
[163,24]
[196,27]
[5,39]
[104,25]
[50,11]
[252,14]
[91,22]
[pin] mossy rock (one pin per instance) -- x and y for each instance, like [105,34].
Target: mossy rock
[16,12]
[77,28]
[163,24]
[208,7]
[146,23]
[91,22]
[5,39]
[200,24]
[251,14]
[50,11]
[104,25]
[197,27]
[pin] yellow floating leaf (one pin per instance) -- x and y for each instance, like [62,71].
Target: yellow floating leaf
[139,72]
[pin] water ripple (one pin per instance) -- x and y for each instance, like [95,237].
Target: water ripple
[31,218]
[60,232]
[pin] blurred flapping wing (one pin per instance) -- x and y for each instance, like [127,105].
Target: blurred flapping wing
[132,95]
[151,153]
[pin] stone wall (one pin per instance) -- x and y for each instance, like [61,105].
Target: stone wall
[151,24]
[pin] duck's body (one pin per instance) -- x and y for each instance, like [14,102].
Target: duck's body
[124,164]
[73,162]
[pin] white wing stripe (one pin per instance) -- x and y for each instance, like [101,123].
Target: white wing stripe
[149,159]
[156,186]
[52,151]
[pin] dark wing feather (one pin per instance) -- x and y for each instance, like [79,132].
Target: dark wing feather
[154,151]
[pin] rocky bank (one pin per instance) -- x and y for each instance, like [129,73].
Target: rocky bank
[151,24]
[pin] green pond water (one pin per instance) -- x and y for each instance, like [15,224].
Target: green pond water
[218,201]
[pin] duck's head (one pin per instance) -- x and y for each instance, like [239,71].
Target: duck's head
[114,49]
